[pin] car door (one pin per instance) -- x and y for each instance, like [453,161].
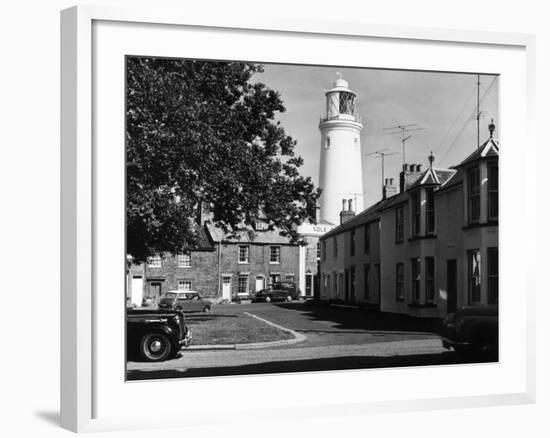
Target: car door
[195,303]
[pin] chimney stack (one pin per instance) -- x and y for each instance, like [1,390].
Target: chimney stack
[389,189]
[346,215]
[409,175]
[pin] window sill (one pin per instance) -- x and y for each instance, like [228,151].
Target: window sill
[243,263]
[492,223]
[422,237]
[423,305]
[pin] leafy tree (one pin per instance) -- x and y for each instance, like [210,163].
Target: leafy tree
[202,134]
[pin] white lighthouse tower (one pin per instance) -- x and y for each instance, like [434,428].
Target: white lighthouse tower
[340,172]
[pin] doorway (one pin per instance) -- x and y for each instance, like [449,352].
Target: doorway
[226,288]
[451,285]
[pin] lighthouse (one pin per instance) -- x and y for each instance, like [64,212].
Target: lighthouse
[340,171]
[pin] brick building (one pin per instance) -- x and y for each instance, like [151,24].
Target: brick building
[221,267]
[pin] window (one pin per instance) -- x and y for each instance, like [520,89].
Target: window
[430,211]
[335,283]
[352,282]
[244,253]
[274,254]
[474,275]
[367,239]
[327,143]
[400,281]
[242,286]
[492,274]
[261,226]
[366,269]
[399,224]
[289,278]
[184,284]
[473,195]
[429,279]
[492,170]
[318,250]
[352,242]
[416,213]
[184,260]
[327,284]
[324,250]
[155,262]
[415,277]
[274,278]
[335,249]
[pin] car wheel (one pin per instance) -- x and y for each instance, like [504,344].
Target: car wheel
[206,309]
[267,299]
[289,298]
[155,347]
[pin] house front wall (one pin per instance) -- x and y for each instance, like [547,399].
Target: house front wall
[201,276]
[259,270]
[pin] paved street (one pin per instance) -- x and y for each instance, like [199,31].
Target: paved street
[336,338]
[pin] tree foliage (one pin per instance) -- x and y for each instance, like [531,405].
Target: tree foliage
[202,133]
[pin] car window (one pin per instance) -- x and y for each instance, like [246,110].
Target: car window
[182,297]
[170,295]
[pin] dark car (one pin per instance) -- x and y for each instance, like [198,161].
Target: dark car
[155,335]
[186,301]
[472,331]
[283,291]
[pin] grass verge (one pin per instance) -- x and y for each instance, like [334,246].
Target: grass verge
[219,329]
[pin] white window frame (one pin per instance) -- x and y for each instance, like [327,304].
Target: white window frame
[278,255]
[154,262]
[247,287]
[180,282]
[242,262]
[181,260]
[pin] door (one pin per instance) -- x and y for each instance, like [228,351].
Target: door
[155,290]
[260,283]
[137,291]
[346,286]
[451,286]
[226,288]
[309,284]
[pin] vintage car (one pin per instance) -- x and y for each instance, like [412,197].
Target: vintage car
[186,301]
[472,331]
[282,291]
[155,335]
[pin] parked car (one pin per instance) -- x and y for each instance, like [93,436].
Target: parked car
[282,291]
[472,331]
[155,335]
[188,301]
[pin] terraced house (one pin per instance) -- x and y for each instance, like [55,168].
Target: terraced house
[221,267]
[424,251]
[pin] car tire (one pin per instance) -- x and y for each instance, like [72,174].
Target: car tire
[206,309]
[155,347]
[267,299]
[289,298]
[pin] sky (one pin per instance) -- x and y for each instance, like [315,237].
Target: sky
[442,103]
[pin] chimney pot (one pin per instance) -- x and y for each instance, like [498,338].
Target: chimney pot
[343,205]
[350,205]
[419,167]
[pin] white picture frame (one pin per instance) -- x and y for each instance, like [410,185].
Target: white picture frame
[85,360]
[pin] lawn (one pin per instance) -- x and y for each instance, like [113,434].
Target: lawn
[217,329]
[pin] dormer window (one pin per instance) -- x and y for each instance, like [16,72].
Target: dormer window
[474,209]
[492,172]
[430,211]
[416,213]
